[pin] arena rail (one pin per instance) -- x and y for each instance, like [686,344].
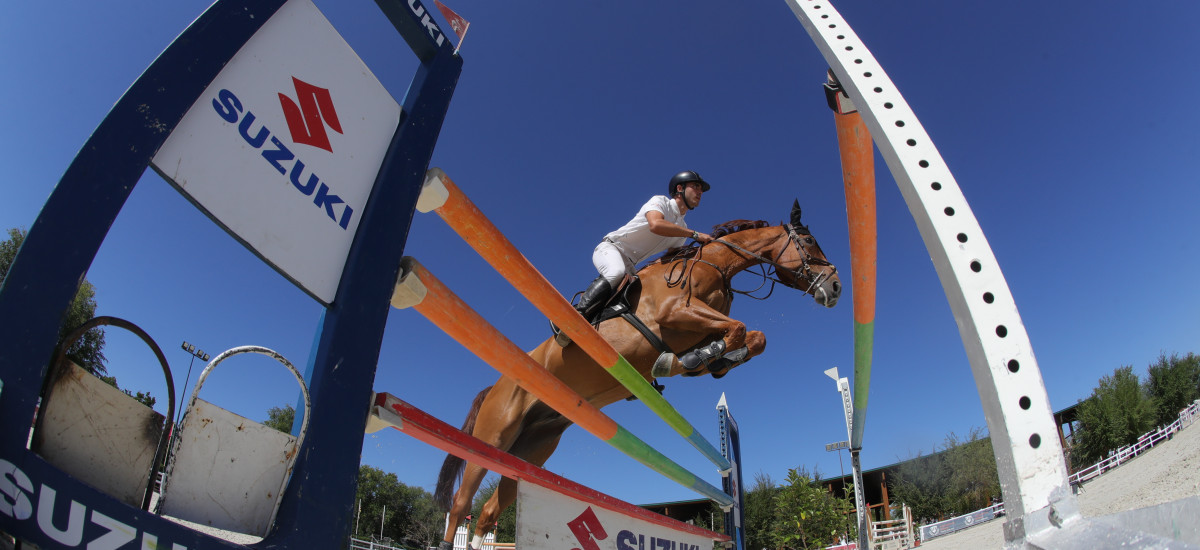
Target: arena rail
[1144,443]
[439,194]
[419,289]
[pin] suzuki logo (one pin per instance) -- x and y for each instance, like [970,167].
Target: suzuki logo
[307,120]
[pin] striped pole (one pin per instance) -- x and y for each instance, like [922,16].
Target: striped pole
[858,174]
[402,416]
[441,195]
[419,289]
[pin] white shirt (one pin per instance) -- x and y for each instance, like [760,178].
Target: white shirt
[637,242]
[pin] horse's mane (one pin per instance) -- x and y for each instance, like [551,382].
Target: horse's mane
[718,231]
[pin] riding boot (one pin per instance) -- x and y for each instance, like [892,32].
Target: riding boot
[701,356]
[593,299]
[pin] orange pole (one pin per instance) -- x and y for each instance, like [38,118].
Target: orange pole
[858,175]
[465,218]
[446,310]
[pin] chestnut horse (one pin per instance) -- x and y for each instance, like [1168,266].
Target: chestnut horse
[685,300]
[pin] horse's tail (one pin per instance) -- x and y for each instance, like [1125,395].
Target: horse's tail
[452,468]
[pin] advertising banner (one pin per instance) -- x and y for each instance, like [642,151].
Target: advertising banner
[284,146]
[550,520]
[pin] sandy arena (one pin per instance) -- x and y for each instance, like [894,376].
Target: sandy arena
[1165,473]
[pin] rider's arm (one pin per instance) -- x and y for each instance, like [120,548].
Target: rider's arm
[660,226]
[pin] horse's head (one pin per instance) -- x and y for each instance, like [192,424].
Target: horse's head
[802,265]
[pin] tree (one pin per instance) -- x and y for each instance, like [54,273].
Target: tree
[921,483]
[1116,414]
[88,351]
[806,515]
[759,513]
[281,418]
[409,519]
[1172,383]
[970,466]
[142,397]
[960,478]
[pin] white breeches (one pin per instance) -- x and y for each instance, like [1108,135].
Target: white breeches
[611,264]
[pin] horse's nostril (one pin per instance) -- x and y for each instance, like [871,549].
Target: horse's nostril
[837,287]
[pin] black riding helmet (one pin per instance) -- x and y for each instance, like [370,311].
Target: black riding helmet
[687,176]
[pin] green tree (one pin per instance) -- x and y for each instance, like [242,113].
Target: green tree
[281,418]
[921,483]
[759,513]
[970,467]
[806,515]
[1172,383]
[960,478]
[712,519]
[1116,414]
[88,351]
[142,397]
[407,513]
[506,524]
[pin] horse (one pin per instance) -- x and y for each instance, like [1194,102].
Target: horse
[684,298]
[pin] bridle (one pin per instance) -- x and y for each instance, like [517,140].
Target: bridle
[804,272]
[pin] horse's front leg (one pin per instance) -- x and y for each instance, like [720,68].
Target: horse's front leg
[702,319]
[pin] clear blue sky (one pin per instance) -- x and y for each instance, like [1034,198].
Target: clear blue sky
[1069,126]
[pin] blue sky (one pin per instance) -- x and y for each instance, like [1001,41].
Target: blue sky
[1068,125]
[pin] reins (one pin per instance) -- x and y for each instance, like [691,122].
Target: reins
[676,276]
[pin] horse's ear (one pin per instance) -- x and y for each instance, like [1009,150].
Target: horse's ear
[796,212]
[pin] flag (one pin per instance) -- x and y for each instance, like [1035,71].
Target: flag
[456,22]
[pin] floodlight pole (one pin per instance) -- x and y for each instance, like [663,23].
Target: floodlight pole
[196,354]
[860,501]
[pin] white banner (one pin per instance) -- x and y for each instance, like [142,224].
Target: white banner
[283,147]
[553,521]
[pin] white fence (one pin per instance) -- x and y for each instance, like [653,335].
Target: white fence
[1144,443]
[893,534]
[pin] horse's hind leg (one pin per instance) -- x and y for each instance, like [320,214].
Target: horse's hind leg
[472,477]
[534,446]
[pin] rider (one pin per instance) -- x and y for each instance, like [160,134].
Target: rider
[658,225]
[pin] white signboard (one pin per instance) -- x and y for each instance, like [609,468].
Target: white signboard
[550,520]
[283,147]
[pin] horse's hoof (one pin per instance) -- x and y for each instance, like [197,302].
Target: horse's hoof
[662,365]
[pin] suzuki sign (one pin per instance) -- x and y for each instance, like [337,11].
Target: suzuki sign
[284,146]
[553,521]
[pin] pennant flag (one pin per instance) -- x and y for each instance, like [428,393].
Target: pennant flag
[456,22]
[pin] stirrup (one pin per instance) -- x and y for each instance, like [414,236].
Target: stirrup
[560,338]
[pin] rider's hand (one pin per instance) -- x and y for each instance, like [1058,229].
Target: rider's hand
[702,237]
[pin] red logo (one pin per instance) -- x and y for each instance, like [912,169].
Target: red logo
[587,530]
[307,120]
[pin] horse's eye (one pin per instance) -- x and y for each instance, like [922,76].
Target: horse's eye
[808,240]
